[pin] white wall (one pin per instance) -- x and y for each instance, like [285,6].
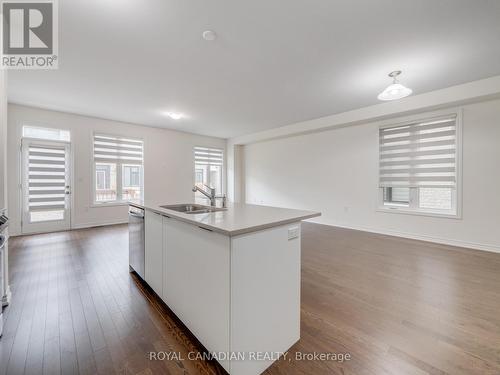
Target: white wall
[335,172]
[3,139]
[235,170]
[4,294]
[168,162]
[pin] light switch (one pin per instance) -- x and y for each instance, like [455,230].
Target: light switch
[293,232]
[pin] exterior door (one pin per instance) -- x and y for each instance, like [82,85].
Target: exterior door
[45,186]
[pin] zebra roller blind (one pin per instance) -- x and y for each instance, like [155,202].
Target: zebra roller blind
[46,178]
[420,154]
[110,149]
[208,156]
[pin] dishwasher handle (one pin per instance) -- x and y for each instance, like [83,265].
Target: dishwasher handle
[135,214]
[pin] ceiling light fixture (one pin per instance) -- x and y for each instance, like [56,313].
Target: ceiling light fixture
[396,90]
[209,35]
[175,115]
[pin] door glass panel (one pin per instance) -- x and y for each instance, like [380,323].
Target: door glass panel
[38,216]
[45,186]
[46,198]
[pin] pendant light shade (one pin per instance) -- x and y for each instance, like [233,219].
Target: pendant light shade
[396,90]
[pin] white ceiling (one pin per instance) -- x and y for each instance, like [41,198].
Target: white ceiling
[275,62]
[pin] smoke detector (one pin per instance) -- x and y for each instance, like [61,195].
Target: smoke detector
[209,35]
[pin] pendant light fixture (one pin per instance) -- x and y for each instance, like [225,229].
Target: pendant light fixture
[396,90]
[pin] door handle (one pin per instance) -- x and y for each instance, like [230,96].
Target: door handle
[67,191]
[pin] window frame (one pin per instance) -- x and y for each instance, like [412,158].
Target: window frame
[42,126]
[413,208]
[119,177]
[223,169]
[104,179]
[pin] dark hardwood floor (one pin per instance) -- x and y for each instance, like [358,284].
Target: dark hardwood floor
[396,306]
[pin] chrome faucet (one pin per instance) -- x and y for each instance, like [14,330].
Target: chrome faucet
[210,195]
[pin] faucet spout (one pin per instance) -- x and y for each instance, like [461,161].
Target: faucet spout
[210,195]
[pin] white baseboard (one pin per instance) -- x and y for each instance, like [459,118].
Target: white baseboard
[444,241]
[99,224]
[78,226]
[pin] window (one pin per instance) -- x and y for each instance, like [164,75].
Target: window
[118,169]
[397,196]
[102,177]
[131,176]
[418,166]
[131,181]
[208,164]
[46,133]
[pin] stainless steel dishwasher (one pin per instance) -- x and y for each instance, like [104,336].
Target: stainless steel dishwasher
[136,239]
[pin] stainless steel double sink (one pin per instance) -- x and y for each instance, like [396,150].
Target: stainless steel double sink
[192,209]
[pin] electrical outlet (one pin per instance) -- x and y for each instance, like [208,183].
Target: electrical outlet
[293,232]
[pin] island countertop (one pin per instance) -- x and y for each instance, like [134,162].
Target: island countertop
[235,220]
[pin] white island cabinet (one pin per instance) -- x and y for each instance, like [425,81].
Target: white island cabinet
[197,282]
[232,277]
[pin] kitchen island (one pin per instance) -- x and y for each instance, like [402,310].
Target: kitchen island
[232,276]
